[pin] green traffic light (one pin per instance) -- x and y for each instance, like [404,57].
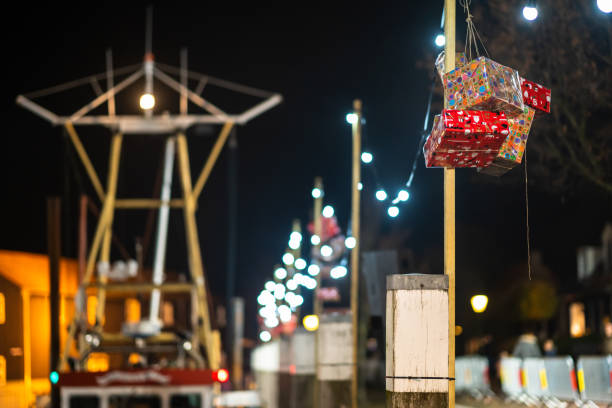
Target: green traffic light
[54,377]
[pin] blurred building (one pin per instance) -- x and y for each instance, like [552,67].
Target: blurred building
[586,314]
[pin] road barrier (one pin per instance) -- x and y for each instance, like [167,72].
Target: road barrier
[594,378]
[512,377]
[536,381]
[561,378]
[472,375]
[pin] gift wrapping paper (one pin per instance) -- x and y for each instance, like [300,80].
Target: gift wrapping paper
[460,60]
[512,150]
[465,138]
[535,95]
[483,84]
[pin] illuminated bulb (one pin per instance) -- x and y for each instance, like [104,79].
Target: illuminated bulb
[350,242]
[381,195]
[300,264]
[359,186]
[54,377]
[265,298]
[328,211]
[284,313]
[366,157]
[440,40]
[479,303]
[294,244]
[315,240]
[299,300]
[288,259]
[326,250]
[295,236]
[317,192]
[530,13]
[314,270]
[187,346]
[403,195]
[311,322]
[292,284]
[338,272]
[393,211]
[309,283]
[147,101]
[605,5]
[280,273]
[267,312]
[279,292]
[270,285]
[271,322]
[351,118]
[265,336]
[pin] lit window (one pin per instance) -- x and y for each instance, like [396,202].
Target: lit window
[97,362]
[2,309]
[132,310]
[2,371]
[577,319]
[168,313]
[92,304]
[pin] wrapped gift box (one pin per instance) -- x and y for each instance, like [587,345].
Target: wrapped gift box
[484,84]
[460,60]
[465,138]
[513,148]
[535,95]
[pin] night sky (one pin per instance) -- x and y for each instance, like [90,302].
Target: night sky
[319,58]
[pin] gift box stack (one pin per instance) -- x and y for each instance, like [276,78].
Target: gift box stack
[490,112]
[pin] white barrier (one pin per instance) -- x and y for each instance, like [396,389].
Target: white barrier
[594,378]
[472,375]
[512,377]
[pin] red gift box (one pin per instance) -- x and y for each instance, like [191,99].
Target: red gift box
[535,95]
[465,138]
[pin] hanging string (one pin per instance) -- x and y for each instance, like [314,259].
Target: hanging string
[472,38]
[527,219]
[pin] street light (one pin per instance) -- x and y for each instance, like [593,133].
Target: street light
[479,303]
[530,11]
[440,40]
[311,322]
[605,5]
[367,157]
[147,101]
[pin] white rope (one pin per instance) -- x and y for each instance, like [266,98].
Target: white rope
[472,38]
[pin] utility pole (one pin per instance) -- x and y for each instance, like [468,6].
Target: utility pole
[318,304]
[450,9]
[355,207]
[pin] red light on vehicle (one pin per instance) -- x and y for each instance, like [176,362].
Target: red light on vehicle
[221,375]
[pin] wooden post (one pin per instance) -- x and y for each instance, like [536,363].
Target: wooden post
[317,303]
[55,253]
[194,254]
[355,207]
[335,367]
[449,208]
[417,341]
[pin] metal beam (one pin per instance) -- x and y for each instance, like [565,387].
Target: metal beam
[74,137]
[212,159]
[259,108]
[38,110]
[141,287]
[145,203]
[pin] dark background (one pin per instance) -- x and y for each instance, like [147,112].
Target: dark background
[320,58]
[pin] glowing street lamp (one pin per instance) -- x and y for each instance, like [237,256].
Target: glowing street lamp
[311,322]
[147,101]
[479,303]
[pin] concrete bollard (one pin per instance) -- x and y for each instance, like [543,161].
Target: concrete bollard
[335,360]
[265,362]
[417,341]
[303,373]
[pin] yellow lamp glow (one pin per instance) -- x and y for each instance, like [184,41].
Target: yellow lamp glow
[311,322]
[147,101]
[479,303]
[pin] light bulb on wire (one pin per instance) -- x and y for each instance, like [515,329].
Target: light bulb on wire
[440,40]
[351,118]
[328,211]
[381,195]
[147,101]
[367,157]
[403,195]
[530,11]
[605,6]
[393,211]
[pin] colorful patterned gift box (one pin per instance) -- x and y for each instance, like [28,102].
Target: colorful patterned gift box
[513,148]
[483,84]
[460,60]
[535,95]
[465,138]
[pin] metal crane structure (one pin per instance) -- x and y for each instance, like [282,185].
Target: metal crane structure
[173,126]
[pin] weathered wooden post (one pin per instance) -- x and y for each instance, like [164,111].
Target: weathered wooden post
[417,373]
[303,372]
[335,360]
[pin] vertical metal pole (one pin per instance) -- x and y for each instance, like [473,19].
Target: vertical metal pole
[355,207]
[54,251]
[231,245]
[82,257]
[162,230]
[148,60]
[237,336]
[317,303]
[449,209]
[183,106]
[109,82]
